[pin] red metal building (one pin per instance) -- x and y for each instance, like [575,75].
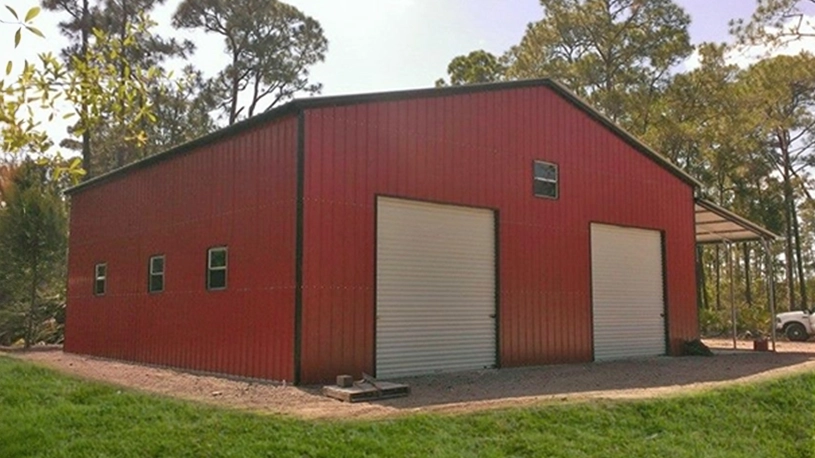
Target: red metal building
[398,233]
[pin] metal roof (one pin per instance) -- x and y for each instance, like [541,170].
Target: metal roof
[715,224]
[299,105]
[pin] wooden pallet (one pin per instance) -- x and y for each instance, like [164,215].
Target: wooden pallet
[366,391]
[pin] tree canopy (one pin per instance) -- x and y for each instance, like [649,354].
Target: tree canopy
[618,54]
[271,46]
[477,67]
[33,238]
[775,22]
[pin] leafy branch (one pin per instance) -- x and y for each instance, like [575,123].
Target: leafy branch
[24,23]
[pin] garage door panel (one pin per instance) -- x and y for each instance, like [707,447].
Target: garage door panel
[435,288]
[437,331]
[472,346]
[462,281]
[627,292]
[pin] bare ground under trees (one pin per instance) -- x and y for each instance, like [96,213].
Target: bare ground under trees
[458,392]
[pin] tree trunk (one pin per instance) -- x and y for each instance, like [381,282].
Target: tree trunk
[32,310]
[701,290]
[769,272]
[748,283]
[785,157]
[234,92]
[799,260]
[86,135]
[718,279]
[121,153]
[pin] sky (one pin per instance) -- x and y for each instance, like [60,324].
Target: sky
[378,45]
[382,45]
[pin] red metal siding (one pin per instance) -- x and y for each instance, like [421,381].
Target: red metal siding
[477,149]
[239,192]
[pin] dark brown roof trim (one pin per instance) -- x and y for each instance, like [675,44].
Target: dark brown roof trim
[296,106]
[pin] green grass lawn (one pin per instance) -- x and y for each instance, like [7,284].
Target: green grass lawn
[46,414]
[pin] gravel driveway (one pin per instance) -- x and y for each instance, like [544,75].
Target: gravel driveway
[460,392]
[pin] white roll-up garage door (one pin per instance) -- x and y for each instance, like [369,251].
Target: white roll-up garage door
[627,292]
[435,288]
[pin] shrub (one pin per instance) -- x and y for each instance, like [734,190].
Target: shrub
[750,321]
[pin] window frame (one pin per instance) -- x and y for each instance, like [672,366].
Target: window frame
[223,268]
[151,273]
[97,278]
[555,181]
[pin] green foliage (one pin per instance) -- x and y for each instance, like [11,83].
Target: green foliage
[33,89]
[113,79]
[712,322]
[271,46]
[617,54]
[33,240]
[92,85]
[45,414]
[119,88]
[24,23]
[750,320]
[182,105]
[114,18]
[703,124]
[775,22]
[116,94]
[748,135]
[477,67]
[782,92]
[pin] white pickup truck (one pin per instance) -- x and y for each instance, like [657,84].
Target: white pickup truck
[798,325]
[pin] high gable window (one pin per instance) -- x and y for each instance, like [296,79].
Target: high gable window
[155,280]
[216,268]
[100,277]
[545,180]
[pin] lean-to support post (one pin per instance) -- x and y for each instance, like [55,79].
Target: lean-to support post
[733,315]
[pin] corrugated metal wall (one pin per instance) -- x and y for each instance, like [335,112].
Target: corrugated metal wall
[239,192]
[477,149]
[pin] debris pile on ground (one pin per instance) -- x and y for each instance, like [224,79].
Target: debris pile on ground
[366,389]
[696,348]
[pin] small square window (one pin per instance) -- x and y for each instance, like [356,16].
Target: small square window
[100,275]
[545,183]
[216,268]
[155,280]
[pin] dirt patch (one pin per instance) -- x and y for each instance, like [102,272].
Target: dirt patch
[459,392]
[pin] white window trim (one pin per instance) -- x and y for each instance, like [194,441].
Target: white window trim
[547,180]
[210,267]
[103,278]
[152,273]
